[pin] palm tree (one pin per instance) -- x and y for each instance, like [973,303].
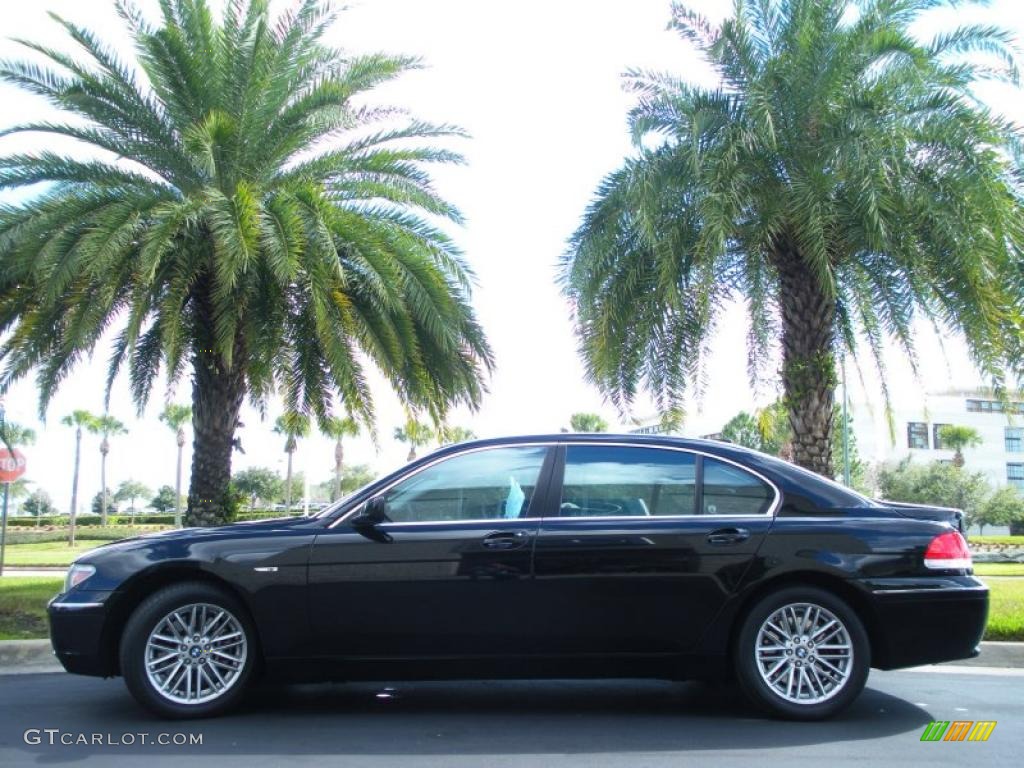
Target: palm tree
[80,419]
[239,213]
[106,426]
[841,181]
[416,434]
[339,428]
[587,422]
[176,417]
[292,425]
[957,438]
[449,435]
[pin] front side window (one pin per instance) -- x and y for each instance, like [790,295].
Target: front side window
[614,481]
[729,490]
[917,434]
[493,484]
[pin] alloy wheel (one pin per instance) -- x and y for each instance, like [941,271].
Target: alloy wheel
[195,653]
[804,653]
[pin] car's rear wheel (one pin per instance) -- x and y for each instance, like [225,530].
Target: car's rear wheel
[188,651]
[802,653]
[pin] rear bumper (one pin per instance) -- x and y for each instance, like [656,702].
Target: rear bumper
[925,621]
[77,633]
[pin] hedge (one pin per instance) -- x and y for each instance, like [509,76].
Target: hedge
[91,521]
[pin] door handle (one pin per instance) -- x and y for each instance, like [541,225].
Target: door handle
[728,536]
[506,539]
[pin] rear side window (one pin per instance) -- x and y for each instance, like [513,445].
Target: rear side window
[729,490]
[614,481]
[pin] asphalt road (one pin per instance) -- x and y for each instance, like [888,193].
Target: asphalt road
[627,723]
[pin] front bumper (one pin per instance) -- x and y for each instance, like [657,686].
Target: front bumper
[926,620]
[78,620]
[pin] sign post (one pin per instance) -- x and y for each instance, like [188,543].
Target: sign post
[12,466]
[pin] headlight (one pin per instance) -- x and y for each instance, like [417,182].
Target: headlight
[77,573]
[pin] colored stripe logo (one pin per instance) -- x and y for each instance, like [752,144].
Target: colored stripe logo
[958,730]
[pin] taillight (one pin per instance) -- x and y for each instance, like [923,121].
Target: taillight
[948,550]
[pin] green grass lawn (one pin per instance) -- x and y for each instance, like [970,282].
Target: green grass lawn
[999,569]
[1018,540]
[48,553]
[23,606]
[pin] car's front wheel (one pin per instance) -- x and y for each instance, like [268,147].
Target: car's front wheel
[802,653]
[188,651]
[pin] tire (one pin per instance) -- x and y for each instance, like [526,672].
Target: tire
[805,674]
[196,675]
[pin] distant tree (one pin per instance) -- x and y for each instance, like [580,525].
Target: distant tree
[958,438]
[14,435]
[97,504]
[416,434]
[130,490]
[106,426]
[742,429]
[449,435]
[292,425]
[339,428]
[176,417]
[38,504]
[258,484]
[357,476]
[79,419]
[587,422]
[935,483]
[165,500]
[296,490]
[1004,507]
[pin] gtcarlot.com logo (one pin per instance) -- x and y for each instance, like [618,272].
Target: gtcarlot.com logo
[958,730]
[57,737]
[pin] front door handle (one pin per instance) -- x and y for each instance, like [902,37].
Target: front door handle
[506,539]
[728,536]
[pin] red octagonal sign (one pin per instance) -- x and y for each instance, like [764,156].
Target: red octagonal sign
[12,465]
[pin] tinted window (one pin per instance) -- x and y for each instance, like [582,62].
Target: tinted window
[495,484]
[606,481]
[729,490]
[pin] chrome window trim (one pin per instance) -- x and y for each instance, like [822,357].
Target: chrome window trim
[770,512]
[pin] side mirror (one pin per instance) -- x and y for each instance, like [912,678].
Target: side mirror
[372,514]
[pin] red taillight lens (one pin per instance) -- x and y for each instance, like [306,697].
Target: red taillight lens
[948,550]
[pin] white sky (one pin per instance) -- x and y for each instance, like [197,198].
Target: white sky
[537,85]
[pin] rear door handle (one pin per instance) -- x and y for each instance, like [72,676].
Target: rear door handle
[506,539]
[728,536]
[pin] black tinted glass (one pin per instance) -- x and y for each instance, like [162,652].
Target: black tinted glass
[612,481]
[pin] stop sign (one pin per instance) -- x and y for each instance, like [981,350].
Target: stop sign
[12,465]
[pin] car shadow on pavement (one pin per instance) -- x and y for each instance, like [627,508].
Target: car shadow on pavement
[467,718]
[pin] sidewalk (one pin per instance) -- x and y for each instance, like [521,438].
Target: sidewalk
[36,572]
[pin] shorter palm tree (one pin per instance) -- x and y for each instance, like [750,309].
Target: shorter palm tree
[176,417]
[106,426]
[292,425]
[416,434]
[958,437]
[587,422]
[79,419]
[339,428]
[447,435]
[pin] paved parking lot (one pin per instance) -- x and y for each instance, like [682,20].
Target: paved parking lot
[592,724]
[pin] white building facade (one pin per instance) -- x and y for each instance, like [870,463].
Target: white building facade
[917,427]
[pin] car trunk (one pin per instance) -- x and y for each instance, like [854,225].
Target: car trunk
[954,517]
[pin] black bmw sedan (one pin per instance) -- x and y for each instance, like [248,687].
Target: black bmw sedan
[539,557]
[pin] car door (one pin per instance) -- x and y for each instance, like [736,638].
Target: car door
[447,574]
[646,546]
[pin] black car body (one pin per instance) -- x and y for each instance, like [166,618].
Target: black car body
[607,555]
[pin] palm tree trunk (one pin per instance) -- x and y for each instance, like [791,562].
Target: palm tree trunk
[217,393]
[74,488]
[177,482]
[339,459]
[412,453]
[808,360]
[103,483]
[288,486]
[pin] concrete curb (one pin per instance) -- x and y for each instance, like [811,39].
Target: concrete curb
[28,656]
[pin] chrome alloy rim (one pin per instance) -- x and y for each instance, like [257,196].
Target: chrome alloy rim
[195,653]
[804,653]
